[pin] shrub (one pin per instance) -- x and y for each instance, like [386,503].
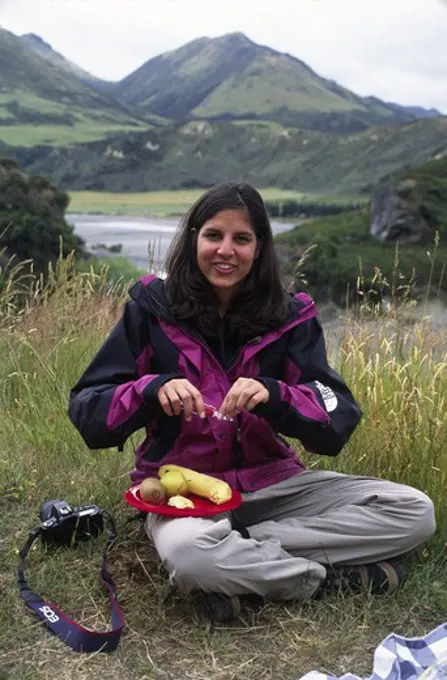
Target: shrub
[32,218]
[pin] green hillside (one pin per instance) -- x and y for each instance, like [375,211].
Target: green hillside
[342,245]
[256,89]
[175,82]
[41,102]
[232,77]
[43,49]
[198,154]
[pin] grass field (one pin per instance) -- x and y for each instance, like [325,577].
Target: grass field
[30,101]
[88,124]
[397,370]
[59,135]
[168,202]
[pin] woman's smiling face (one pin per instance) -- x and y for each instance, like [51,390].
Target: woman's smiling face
[226,249]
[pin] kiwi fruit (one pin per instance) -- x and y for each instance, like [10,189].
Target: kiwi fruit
[152,491]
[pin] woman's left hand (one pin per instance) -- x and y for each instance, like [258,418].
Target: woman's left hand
[245,394]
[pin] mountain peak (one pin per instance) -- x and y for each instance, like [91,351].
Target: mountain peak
[231,77]
[36,39]
[235,39]
[35,43]
[236,36]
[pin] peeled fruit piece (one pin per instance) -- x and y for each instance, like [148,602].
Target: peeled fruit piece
[180,502]
[174,484]
[216,490]
[152,490]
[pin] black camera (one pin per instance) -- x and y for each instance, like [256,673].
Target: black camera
[65,525]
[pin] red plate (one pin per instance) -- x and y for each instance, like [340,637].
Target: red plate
[203,507]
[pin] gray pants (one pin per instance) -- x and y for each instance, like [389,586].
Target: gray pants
[296,527]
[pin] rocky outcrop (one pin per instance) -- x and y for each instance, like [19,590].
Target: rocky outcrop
[398,212]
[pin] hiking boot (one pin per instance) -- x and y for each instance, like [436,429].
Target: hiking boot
[379,578]
[220,608]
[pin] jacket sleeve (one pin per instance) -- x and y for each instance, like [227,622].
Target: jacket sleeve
[111,400]
[313,403]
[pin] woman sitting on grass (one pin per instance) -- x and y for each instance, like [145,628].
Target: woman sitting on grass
[222,330]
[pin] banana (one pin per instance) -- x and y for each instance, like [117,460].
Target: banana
[214,489]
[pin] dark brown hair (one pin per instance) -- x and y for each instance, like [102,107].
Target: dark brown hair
[261,302]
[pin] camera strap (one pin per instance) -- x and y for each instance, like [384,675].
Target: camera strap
[77,637]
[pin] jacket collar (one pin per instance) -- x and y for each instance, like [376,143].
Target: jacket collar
[150,294]
[304,310]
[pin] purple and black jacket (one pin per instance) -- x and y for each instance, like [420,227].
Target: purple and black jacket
[117,395]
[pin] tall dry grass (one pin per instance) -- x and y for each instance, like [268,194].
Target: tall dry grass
[397,371]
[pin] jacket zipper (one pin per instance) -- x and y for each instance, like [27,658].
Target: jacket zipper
[208,350]
[238,353]
[204,346]
[236,453]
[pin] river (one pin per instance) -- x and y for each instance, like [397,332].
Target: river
[136,234]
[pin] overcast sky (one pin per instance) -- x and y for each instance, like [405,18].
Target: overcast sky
[394,49]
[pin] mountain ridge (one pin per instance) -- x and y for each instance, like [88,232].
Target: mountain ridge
[36,93]
[46,51]
[233,77]
[30,69]
[230,77]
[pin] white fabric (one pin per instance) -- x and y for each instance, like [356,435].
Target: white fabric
[400,658]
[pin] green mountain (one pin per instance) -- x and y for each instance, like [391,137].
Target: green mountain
[47,99]
[44,50]
[35,43]
[415,111]
[200,153]
[231,77]
[36,92]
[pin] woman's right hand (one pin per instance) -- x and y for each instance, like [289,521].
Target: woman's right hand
[179,395]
